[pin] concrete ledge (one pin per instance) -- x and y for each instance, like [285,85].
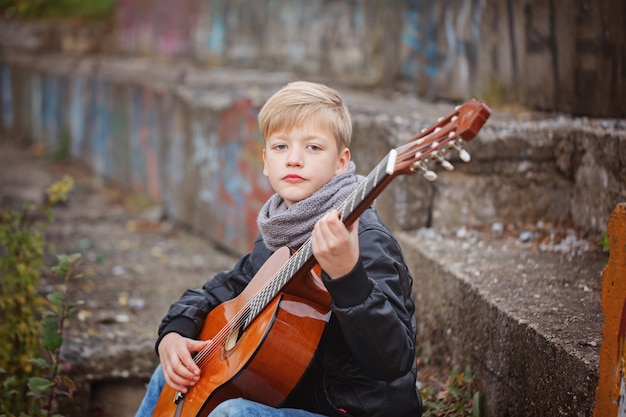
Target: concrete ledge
[528,322]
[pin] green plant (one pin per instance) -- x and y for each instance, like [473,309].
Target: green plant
[93,9]
[458,398]
[52,383]
[605,243]
[24,334]
[21,257]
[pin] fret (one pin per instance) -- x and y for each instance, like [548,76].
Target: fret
[365,183]
[353,198]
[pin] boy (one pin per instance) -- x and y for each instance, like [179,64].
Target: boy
[365,361]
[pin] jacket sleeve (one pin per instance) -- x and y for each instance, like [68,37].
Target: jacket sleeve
[186,315]
[374,305]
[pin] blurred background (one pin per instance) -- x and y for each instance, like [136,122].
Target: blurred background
[158,99]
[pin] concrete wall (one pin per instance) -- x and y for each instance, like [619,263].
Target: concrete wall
[563,55]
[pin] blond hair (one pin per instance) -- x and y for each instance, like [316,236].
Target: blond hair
[299,100]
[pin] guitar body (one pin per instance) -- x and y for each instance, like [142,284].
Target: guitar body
[264,361]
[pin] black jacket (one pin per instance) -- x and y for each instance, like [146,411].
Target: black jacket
[365,362]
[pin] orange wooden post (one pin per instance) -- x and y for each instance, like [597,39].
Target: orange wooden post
[611,391]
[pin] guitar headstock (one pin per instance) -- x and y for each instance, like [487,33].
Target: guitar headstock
[432,144]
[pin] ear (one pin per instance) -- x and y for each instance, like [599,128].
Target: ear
[344,160]
[265,170]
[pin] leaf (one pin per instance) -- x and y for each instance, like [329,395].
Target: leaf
[39,385]
[477,405]
[52,339]
[56,298]
[9,381]
[69,384]
[39,362]
[468,374]
[49,313]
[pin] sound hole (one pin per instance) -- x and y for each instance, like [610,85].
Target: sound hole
[232,339]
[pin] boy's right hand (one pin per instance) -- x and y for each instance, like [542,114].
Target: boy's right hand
[179,368]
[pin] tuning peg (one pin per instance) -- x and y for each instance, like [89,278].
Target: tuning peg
[444,162]
[428,174]
[463,154]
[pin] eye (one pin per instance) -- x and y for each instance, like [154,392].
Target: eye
[280,147]
[315,147]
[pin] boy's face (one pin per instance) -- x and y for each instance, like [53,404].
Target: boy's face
[300,161]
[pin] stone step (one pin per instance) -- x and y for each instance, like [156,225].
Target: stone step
[525,317]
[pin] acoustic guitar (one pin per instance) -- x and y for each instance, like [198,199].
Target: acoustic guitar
[264,339]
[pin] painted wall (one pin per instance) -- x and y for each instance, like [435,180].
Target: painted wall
[562,55]
[202,164]
[567,55]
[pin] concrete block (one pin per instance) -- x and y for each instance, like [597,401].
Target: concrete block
[526,320]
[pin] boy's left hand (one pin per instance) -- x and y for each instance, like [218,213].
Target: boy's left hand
[335,247]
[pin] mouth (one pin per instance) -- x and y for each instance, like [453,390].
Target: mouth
[293,178]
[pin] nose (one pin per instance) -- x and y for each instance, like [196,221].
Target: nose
[294,158]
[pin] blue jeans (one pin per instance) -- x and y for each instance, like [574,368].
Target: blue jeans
[237,407]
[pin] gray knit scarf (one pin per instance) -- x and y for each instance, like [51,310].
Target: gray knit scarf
[281,226]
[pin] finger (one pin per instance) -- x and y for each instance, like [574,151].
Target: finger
[331,226]
[186,367]
[177,384]
[337,235]
[183,380]
[187,361]
[174,386]
[173,379]
[198,345]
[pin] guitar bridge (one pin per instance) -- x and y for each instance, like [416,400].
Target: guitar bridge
[179,396]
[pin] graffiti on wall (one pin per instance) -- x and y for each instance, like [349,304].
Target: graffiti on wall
[7,96]
[146,26]
[439,44]
[76,114]
[203,164]
[227,157]
[431,44]
[144,142]
[173,174]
